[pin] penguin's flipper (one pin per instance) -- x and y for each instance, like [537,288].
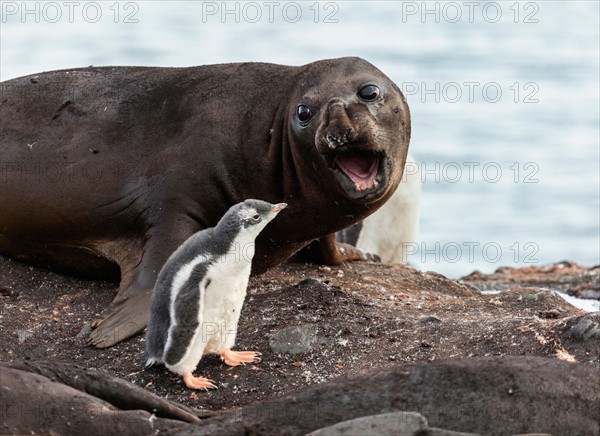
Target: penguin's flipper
[235,358]
[198,382]
[185,341]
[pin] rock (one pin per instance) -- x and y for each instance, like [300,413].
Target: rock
[294,340]
[311,281]
[23,335]
[85,330]
[441,432]
[385,424]
[530,297]
[550,314]
[502,395]
[533,434]
[431,319]
[586,327]
[563,276]
[360,329]
[54,398]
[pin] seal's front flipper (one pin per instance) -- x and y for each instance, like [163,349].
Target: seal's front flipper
[129,312]
[328,251]
[121,320]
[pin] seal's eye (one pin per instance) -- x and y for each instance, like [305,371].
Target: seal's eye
[369,93]
[304,113]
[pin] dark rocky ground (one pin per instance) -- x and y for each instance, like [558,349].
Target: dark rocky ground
[313,324]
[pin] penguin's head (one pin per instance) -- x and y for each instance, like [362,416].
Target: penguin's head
[254,215]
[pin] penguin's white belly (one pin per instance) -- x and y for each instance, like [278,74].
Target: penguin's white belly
[223,301]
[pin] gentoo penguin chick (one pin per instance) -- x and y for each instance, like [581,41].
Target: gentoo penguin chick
[200,291]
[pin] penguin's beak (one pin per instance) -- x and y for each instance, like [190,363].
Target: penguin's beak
[278,207]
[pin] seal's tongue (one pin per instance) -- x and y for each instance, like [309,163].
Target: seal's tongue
[360,167]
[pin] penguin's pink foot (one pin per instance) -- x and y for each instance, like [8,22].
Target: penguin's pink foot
[235,358]
[197,382]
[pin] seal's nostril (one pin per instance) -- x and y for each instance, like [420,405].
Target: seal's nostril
[349,134]
[332,141]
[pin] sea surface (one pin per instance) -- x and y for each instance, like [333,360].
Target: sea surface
[504,98]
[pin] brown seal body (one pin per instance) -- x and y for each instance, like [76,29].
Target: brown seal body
[108,170]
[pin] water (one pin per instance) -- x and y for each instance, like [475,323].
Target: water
[509,179]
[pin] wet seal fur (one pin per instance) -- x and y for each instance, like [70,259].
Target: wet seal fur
[106,171]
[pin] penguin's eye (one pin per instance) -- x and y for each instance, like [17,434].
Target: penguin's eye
[256,217]
[304,113]
[369,93]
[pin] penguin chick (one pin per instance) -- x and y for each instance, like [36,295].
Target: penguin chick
[200,291]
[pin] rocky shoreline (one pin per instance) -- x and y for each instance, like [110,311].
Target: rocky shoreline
[317,325]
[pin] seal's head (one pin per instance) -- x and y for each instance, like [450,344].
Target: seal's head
[358,122]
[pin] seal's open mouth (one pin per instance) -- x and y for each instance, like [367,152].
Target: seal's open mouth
[360,166]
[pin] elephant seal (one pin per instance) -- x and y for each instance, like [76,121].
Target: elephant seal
[105,171]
